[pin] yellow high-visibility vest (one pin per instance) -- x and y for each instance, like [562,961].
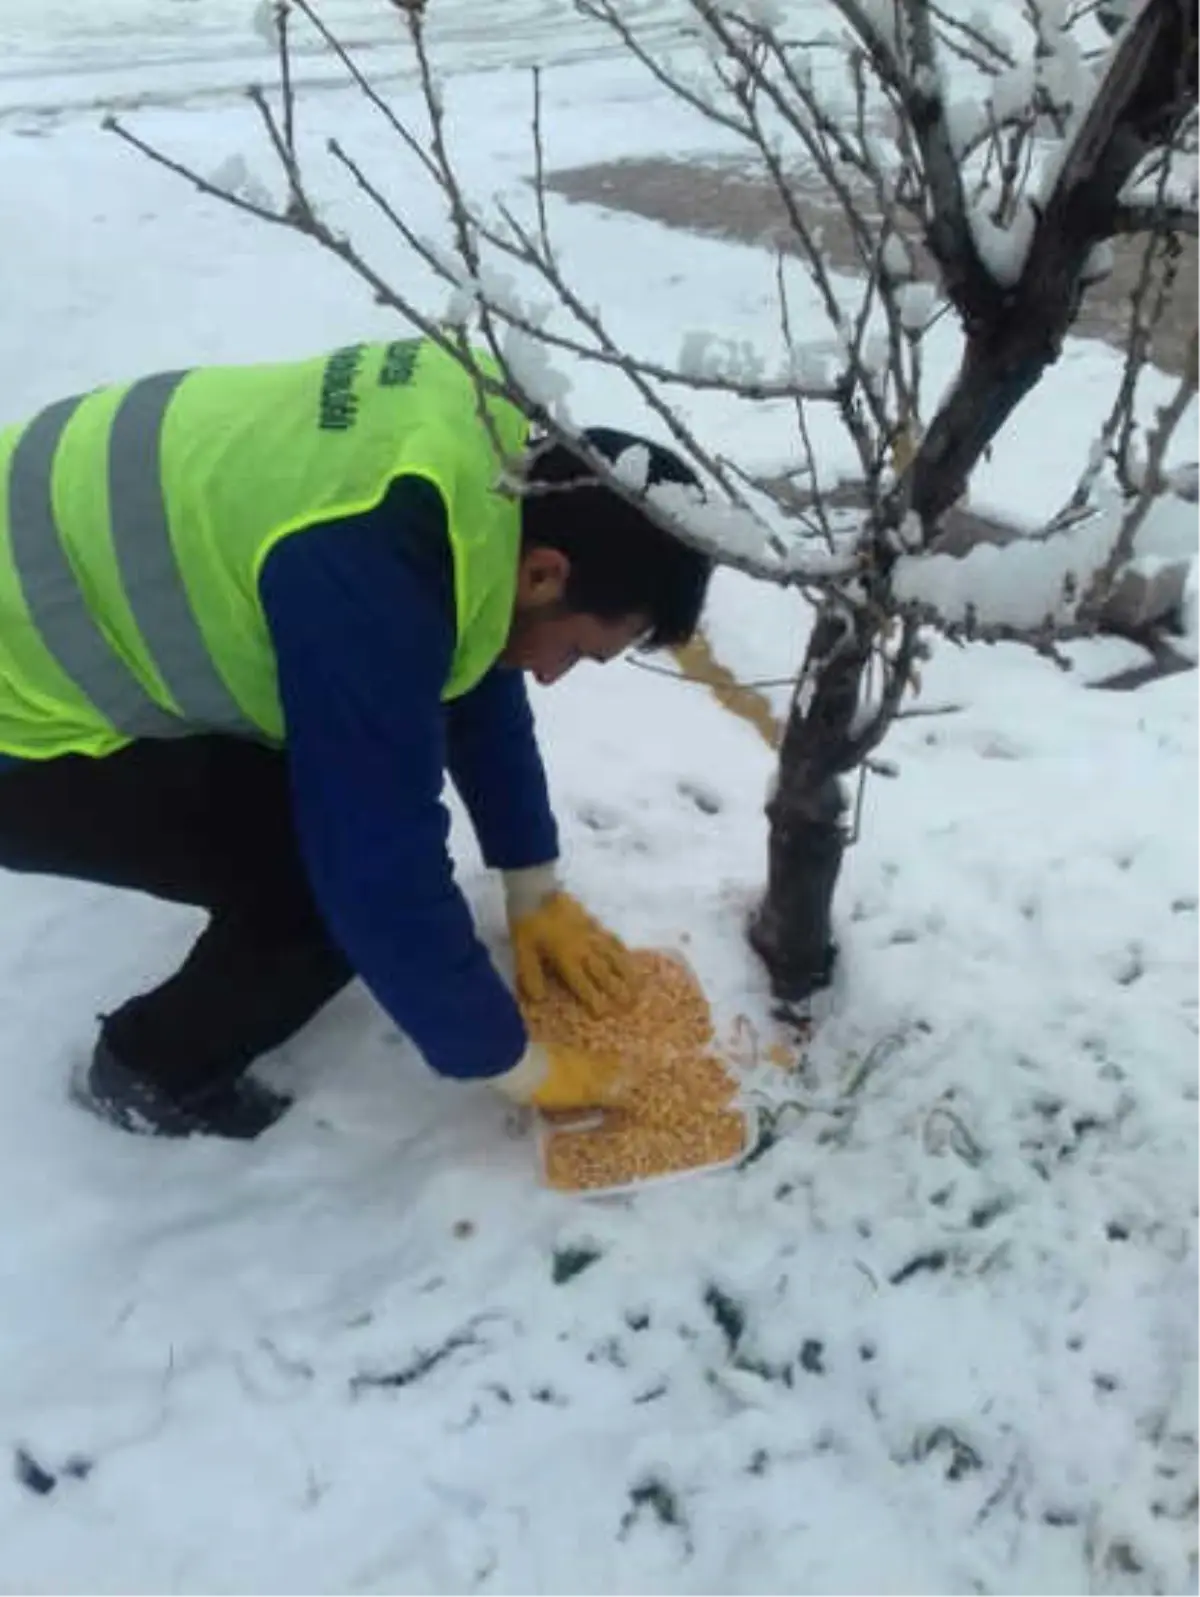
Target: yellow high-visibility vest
[134,522]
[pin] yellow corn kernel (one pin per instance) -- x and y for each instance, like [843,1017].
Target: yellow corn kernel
[674,1109]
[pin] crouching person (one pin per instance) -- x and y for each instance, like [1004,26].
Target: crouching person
[250,617]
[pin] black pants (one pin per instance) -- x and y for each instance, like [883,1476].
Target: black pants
[204,821]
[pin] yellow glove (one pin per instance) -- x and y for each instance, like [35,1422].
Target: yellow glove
[557,937]
[561,1078]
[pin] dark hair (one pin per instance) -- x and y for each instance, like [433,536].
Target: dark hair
[623,563]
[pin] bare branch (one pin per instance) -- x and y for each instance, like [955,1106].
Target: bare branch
[877,398]
[1148,305]
[287,87]
[831,149]
[298,205]
[980,48]
[364,84]
[1147,92]
[917,87]
[745,91]
[206,186]
[523,250]
[590,319]
[897,677]
[1153,479]
[1157,272]
[967,281]
[864,647]
[539,164]
[792,572]
[1148,216]
[608,12]
[810,459]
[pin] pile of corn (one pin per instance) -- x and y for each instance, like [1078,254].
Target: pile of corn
[673,1111]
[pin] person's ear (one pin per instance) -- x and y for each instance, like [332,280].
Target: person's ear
[542,577]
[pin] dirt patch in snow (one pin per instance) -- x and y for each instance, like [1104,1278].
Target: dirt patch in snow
[724,201]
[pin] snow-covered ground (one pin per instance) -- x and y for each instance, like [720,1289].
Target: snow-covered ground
[59,58]
[939,1337]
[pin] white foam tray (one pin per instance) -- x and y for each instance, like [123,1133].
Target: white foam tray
[544,1128]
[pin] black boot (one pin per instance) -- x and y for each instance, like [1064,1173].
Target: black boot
[241,1108]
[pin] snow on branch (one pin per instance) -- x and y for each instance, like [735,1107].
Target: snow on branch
[975,169]
[899,39]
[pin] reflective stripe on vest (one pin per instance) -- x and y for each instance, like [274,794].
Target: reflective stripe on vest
[152,581]
[135,522]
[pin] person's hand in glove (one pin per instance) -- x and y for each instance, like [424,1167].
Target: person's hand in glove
[553,935]
[561,1078]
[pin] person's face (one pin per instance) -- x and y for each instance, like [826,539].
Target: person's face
[546,638]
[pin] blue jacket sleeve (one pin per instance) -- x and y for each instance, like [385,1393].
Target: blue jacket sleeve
[496,765]
[363,646]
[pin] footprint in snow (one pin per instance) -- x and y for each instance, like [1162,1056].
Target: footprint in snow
[995,746]
[599,817]
[706,799]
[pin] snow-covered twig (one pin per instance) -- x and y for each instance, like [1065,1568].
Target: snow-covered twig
[1152,485]
[949,180]
[298,207]
[916,85]
[810,466]
[1152,290]
[969,39]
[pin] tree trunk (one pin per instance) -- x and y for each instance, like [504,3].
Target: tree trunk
[1150,86]
[792,930]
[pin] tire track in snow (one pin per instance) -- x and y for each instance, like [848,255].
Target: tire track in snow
[155,64]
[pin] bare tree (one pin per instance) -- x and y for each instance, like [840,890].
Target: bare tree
[997,210]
